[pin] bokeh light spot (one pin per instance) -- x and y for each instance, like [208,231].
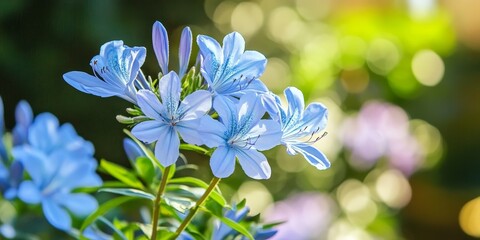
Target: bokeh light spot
[393,189]
[355,81]
[277,75]
[313,9]
[247,18]
[428,68]
[257,195]
[222,15]
[470,217]
[382,56]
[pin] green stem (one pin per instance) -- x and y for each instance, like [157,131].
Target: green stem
[156,204]
[194,210]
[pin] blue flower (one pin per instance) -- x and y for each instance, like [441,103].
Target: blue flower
[11,173]
[116,72]
[57,161]
[171,116]
[3,149]
[222,231]
[132,150]
[240,133]
[160,46]
[23,119]
[231,71]
[301,128]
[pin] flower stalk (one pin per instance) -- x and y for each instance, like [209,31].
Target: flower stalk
[156,203]
[194,210]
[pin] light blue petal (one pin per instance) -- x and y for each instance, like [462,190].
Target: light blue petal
[195,105]
[71,142]
[250,110]
[212,132]
[270,105]
[295,101]
[3,151]
[89,84]
[42,134]
[150,105]
[210,47]
[92,232]
[233,47]
[266,134]
[226,109]
[160,45]
[170,88]
[80,204]
[167,148]
[16,173]
[149,131]
[189,131]
[132,150]
[313,156]
[208,68]
[237,78]
[184,51]
[137,55]
[29,192]
[35,163]
[222,162]
[75,172]
[8,231]
[56,215]
[254,164]
[23,113]
[264,234]
[109,47]
[315,117]
[256,86]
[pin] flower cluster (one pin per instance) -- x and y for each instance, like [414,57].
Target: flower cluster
[231,111]
[56,160]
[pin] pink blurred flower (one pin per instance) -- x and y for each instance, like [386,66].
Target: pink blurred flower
[305,216]
[379,130]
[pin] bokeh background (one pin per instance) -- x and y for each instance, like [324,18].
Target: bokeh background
[401,80]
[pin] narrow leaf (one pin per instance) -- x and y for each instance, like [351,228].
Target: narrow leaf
[217,197]
[194,148]
[111,226]
[234,225]
[104,208]
[121,174]
[129,192]
[145,169]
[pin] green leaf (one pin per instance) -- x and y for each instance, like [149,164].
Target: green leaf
[187,166]
[180,204]
[129,192]
[104,208]
[241,204]
[214,208]
[217,197]
[145,169]
[113,184]
[121,174]
[239,228]
[194,148]
[171,172]
[111,226]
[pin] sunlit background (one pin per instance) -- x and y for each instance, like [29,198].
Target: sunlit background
[401,80]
